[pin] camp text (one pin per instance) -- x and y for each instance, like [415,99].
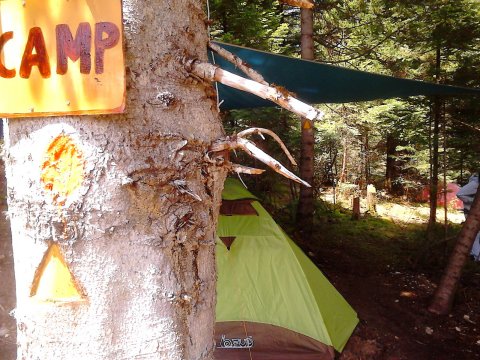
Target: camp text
[105,36]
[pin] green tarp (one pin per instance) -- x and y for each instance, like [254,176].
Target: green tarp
[266,278]
[316,83]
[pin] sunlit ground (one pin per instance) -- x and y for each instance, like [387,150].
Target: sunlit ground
[416,213]
[402,211]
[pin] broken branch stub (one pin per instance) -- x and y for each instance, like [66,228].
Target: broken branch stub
[235,60]
[210,72]
[241,169]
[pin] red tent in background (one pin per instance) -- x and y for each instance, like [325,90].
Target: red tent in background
[452,201]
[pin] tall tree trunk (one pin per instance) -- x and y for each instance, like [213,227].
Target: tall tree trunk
[130,204]
[307,44]
[444,165]
[306,201]
[330,167]
[366,151]
[461,166]
[392,172]
[443,298]
[434,177]
[343,174]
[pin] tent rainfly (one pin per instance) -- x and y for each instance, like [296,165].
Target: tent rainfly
[316,83]
[273,303]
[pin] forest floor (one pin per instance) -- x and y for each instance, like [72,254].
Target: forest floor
[382,267]
[388,272]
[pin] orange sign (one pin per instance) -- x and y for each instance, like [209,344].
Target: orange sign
[60,57]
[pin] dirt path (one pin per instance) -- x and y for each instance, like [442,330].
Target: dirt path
[394,322]
[8,347]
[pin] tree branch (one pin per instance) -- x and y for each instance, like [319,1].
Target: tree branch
[241,169]
[238,142]
[278,95]
[273,135]
[235,60]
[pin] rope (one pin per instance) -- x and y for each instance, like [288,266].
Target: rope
[246,335]
[213,54]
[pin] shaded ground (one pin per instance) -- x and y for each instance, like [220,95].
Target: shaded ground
[394,322]
[388,273]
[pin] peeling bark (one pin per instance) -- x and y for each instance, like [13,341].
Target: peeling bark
[137,233]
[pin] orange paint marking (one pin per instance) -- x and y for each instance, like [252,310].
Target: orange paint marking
[307,125]
[63,170]
[54,281]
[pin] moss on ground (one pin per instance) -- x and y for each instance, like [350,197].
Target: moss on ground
[376,242]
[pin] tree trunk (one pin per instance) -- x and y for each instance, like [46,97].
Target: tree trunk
[434,177]
[443,298]
[390,162]
[343,174]
[461,167]
[306,200]
[307,44]
[125,204]
[392,184]
[444,163]
[356,208]
[367,159]
[371,199]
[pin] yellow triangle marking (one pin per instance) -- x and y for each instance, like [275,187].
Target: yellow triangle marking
[54,282]
[307,125]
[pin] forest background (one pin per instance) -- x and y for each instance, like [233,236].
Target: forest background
[389,143]
[408,148]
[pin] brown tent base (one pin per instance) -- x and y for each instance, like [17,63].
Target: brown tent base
[242,340]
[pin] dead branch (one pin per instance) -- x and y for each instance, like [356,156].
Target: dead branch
[306,4]
[235,60]
[244,133]
[210,72]
[238,142]
[465,124]
[241,169]
[250,148]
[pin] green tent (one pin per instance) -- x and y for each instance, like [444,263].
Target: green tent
[315,83]
[272,301]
